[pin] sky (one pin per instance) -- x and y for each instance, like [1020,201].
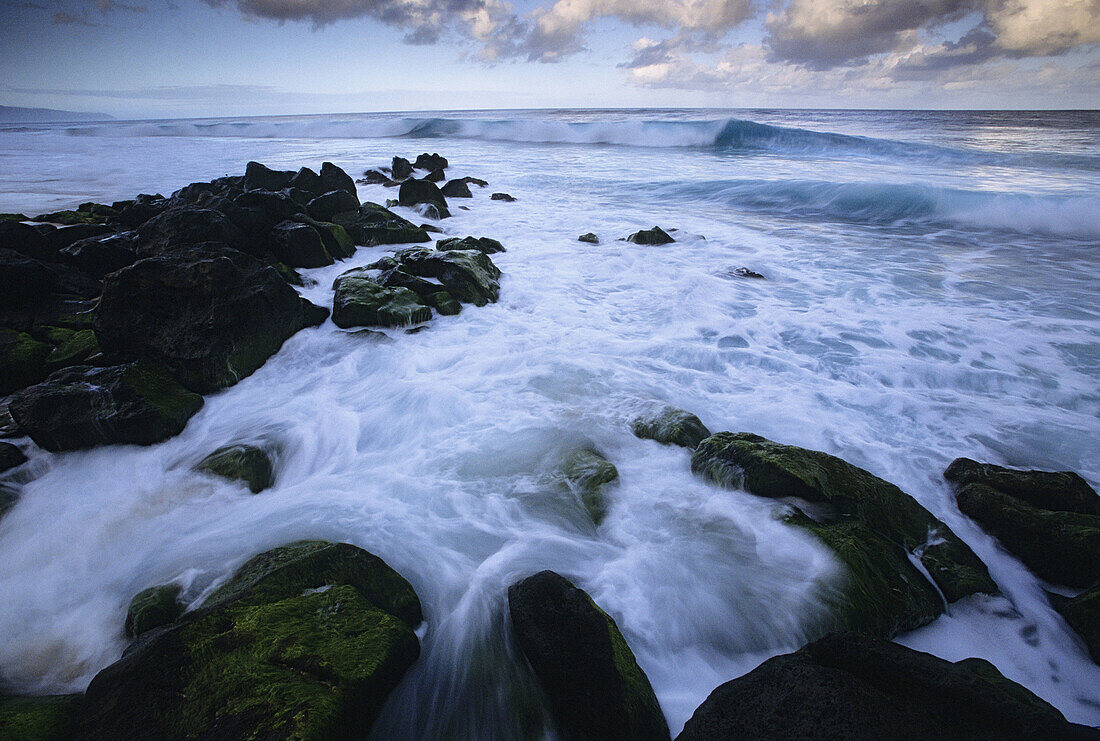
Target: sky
[195,58]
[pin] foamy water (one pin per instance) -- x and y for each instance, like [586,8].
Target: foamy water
[915,309]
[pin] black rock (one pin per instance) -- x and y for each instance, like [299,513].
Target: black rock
[435,176]
[481,244]
[299,245]
[592,681]
[1056,491]
[374,177]
[502,197]
[24,239]
[98,256]
[363,302]
[10,457]
[183,226]
[852,686]
[1083,615]
[398,278]
[656,235]
[471,277]
[456,189]
[245,463]
[671,426]
[261,177]
[59,239]
[23,279]
[141,209]
[401,168]
[589,237]
[431,162]
[308,181]
[324,207]
[209,313]
[333,178]
[373,225]
[82,407]
[414,192]
[746,273]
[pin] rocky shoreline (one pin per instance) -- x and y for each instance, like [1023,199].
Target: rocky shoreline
[116,320]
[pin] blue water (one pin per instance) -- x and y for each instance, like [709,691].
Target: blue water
[930,293]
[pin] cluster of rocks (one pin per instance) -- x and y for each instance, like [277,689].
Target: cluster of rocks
[658,236]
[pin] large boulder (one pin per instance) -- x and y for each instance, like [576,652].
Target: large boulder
[24,239]
[456,189]
[470,276]
[586,473]
[431,161]
[481,244]
[334,178]
[654,236]
[82,406]
[1061,547]
[363,302]
[324,207]
[873,526]
[22,360]
[304,642]
[1083,615]
[136,212]
[414,192]
[100,255]
[10,457]
[260,177]
[245,463]
[23,279]
[400,168]
[299,245]
[39,718]
[853,686]
[153,608]
[1056,491]
[372,225]
[186,225]
[213,315]
[593,683]
[671,426]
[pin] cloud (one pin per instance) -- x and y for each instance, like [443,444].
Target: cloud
[106,6]
[63,18]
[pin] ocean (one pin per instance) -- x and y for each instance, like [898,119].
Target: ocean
[930,292]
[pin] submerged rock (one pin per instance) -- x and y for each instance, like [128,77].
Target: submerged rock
[374,177]
[746,273]
[211,314]
[362,302]
[589,237]
[594,686]
[653,236]
[502,197]
[435,176]
[481,244]
[305,642]
[153,608]
[853,686]
[414,192]
[872,526]
[586,472]
[671,426]
[245,463]
[470,276]
[1083,615]
[81,407]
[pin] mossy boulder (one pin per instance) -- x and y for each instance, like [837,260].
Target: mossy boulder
[372,225]
[82,406]
[304,642]
[324,207]
[80,216]
[836,493]
[245,463]
[589,237]
[586,473]
[1061,547]
[152,608]
[593,683]
[398,278]
[22,360]
[853,686]
[654,236]
[1083,615]
[186,225]
[299,245]
[10,457]
[336,239]
[470,276]
[363,302]
[444,303]
[72,347]
[671,426]
[481,244]
[42,718]
[1056,491]
[211,314]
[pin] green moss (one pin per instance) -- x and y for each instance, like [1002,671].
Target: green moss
[444,303]
[778,471]
[1083,615]
[50,718]
[245,463]
[586,472]
[22,360]
[153,608]
[153,383]
[13,217]
[671,426]
[72,349]
[345,244]
[71,218]
[643,712]
[362,302]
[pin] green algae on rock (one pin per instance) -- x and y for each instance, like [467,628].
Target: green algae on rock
[1083,615]
[39,718]
[671,426]
[586,472]
[362,302]
[245,463]
[593,683]
[654,236]
[1057,491]
[153,608]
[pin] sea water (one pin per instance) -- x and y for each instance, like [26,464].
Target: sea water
[930,292]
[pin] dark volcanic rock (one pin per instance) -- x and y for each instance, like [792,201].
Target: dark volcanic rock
[324,207]
[852,686]
[261,177]
[98,256]
[59,239]
[136,212]
[589,237]
[592,681]
[656,235]
[23,279]
[456,189]
[373,225]
[186,225]
[209,313]
[153,608]
[502,197]
[308,181]
[586,472]
[245,463]
[414,192]
[22,360]
[671,426]
[24,239]
[871,524]
[398,278]
[431,162]
[1057,491]
[81,407]
[374,177]
[480,244]
[10,457]
[333,178]
[435,176]
[1061,547]
[471,277]
[362,302]
[1083,615]
[401,168]
[299,245]
[304,642]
